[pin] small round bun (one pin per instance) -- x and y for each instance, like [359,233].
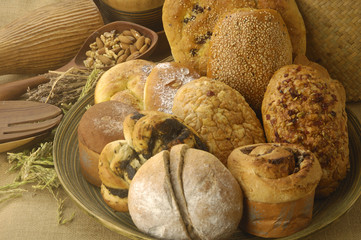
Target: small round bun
[279,182]
[185,194]
[101,124]
[247,47]
[124,82]
[219,114]
[162,84]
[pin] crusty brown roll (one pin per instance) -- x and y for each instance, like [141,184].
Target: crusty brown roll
[303,106]
[219,114]
[162,84]
[146,134]
[185,194]
[247,47]
[189,25]
[124,82]
[279,182]
[102,123]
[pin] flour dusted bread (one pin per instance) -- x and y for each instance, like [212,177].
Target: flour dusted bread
[304,106]
[279,182]
[168,180]
[124,82]
[219,114]
[189,24]
[101,124]
[247,47]
[162,84]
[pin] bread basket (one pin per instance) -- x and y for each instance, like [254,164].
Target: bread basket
[333,40]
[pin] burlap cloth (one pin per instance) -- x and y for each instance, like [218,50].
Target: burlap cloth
[34,215]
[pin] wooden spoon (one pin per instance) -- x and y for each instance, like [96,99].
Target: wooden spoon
[25,119]
[15,89]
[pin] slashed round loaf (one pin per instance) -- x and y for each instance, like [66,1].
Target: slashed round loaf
[219,114]
[162,84]
[247,47]
[304,106]
[124,82]
[189,24]
[185,194]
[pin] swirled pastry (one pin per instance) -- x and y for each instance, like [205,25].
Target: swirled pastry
[304,106]
[219,114]
[279,182]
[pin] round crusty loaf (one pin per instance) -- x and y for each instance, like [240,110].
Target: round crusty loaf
[246,48]
[304,106]
[102,123]
[279,182]
[185,194]
[189,24]
[124,82]
[162,84]
[219,114]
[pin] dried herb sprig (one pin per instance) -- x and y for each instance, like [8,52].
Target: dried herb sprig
[36,166]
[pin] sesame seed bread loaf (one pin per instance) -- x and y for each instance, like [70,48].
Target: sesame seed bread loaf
[247,47]
[188,25]
[219,114]
[162,84]
[278,182]
[302,106]
[124,82]
[185,193]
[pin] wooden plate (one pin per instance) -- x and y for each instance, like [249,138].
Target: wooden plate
[88,197]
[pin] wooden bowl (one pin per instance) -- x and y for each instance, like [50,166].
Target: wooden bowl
[136,11]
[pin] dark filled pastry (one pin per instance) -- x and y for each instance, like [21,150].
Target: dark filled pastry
[185,193]
[278,182]
[219,114]
[304,106]
[146,134]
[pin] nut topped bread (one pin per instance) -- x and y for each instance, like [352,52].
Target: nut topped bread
[302,106]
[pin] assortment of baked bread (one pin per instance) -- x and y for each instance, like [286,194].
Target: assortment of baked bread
[240,131]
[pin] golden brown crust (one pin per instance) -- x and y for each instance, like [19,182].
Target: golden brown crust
[275,173]
[189,24]
[247,47]
[219,114]
[124,81]
[162,84]
[302,106]
[293,19]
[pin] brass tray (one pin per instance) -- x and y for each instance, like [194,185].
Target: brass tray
[88,197]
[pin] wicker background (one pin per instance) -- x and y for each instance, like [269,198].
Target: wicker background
[333,39]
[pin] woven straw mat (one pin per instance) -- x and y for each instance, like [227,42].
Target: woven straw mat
[334,40]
